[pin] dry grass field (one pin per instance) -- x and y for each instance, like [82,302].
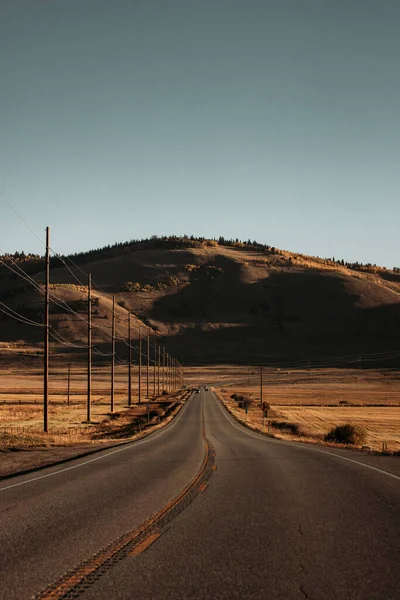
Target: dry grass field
[315,400]
[320,386]
[21,406]
[319,400]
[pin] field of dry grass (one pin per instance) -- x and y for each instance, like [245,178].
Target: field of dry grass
[381,423]
[317,401]
[319,386]
[21,406]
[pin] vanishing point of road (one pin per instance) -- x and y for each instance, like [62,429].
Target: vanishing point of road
[205,509]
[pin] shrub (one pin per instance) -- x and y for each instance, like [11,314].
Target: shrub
[287,426]
[172,280]
[190,268]
[347,434]
[130,286]
[243,402]
[265,408]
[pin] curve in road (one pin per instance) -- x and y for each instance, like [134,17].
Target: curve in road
[277,520]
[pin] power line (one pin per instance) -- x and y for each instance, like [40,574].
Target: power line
[18,316]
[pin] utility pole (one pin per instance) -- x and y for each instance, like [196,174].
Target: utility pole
[148,365]
[69,385]
[46,336]
[180,375]
[163,370]
[167,371]
[158,370]
[140,367]
[261,386]
[130,362]
[89,351]
[113,355]
[155,369]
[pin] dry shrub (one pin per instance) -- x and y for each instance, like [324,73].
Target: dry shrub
[242,401]
[347,434]
[287,426]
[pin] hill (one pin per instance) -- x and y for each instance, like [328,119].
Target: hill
[213,301]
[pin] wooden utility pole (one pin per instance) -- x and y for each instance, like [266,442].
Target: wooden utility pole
[158,370]
[46,335]
[178,374]
[140,367]
[163,370]
[155,369]
[148,365]
[69,385]
[113,355]
[167,371]
[89,350]
[261,386]
[129,362]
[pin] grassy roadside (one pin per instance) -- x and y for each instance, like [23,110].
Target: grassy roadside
[26,452]
[277,425]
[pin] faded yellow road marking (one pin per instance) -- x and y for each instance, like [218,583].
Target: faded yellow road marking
[145,544]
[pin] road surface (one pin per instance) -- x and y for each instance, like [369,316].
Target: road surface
[274,520]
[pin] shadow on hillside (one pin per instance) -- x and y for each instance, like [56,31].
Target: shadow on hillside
[288,314]
[142,266]
[390,276]
[280,298]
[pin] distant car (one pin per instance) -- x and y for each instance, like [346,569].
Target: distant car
[197,391]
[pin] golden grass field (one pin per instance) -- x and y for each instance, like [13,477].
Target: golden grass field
[21,406]
[317,400]
[381,423]
[320,400]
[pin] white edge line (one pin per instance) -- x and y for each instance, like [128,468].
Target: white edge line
[128,446]
[258,437]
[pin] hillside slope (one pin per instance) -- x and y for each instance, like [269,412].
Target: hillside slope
[224,304]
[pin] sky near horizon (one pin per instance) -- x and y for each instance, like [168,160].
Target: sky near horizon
[275,120]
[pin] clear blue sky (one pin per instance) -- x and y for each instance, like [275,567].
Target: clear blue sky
[276,120]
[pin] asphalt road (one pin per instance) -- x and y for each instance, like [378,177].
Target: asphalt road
[277,520]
